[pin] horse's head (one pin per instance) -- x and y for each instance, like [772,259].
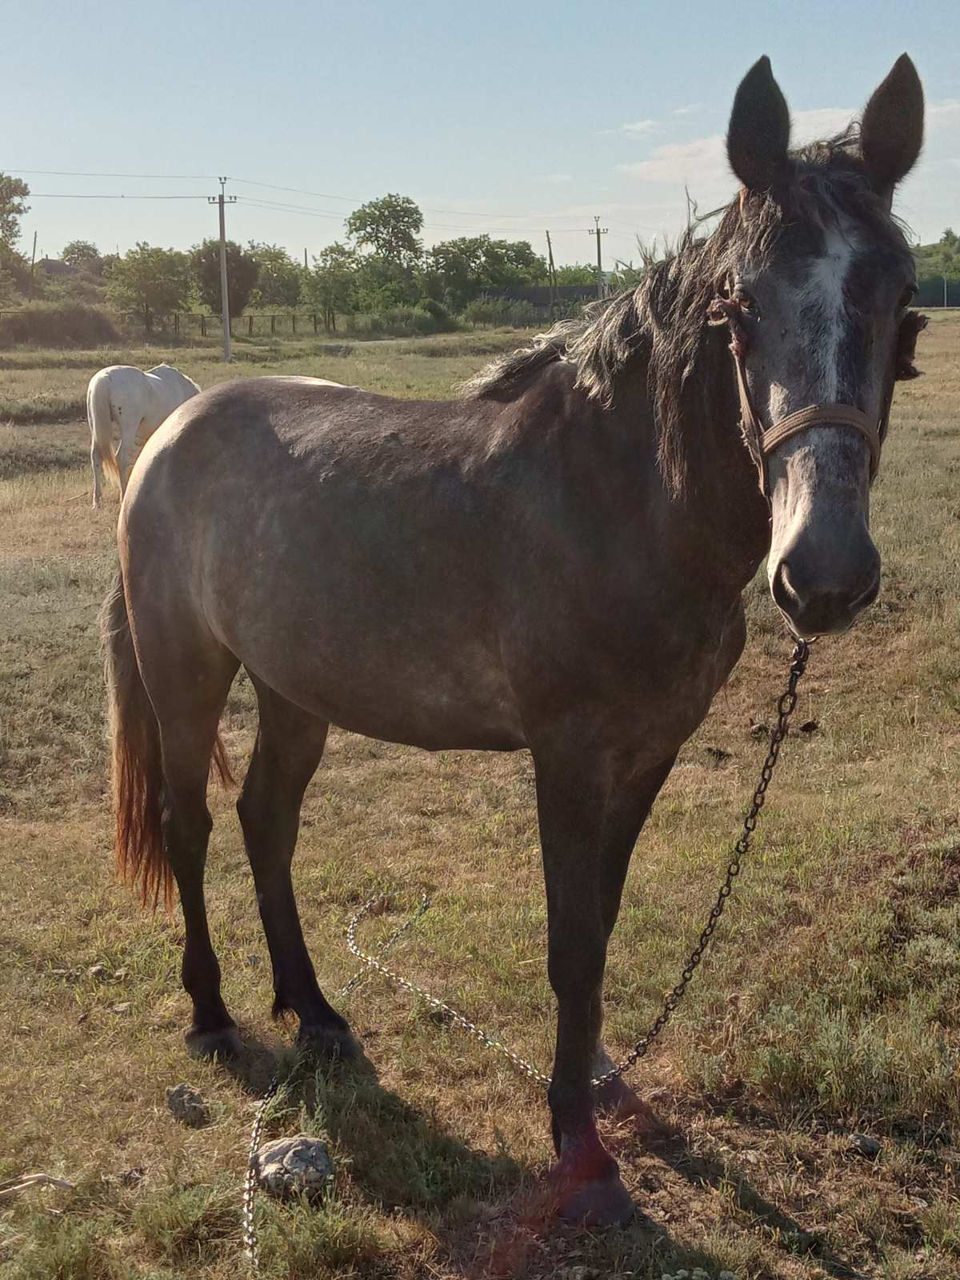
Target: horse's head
[816,287]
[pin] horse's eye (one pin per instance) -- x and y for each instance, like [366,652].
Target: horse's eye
[748,303]
[908,295]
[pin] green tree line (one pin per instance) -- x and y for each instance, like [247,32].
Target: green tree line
[380,265]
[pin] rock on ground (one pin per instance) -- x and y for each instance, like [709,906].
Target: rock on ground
[188,1106]
[295,1166]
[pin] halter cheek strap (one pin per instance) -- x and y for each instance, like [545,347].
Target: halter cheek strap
[762,443]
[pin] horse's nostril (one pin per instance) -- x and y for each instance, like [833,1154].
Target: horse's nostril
[869,594]
[783,590]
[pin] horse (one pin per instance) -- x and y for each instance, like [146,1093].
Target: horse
[554,561]
[136,402]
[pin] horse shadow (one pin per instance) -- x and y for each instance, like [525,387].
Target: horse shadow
[673,1149]
[491,1214]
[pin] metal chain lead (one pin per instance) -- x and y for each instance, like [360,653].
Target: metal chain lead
[785,708]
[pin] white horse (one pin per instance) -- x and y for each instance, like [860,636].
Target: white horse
[135,403]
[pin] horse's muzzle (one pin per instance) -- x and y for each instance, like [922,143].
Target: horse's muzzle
[823,600]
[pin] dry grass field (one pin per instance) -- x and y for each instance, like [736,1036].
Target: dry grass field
[830,1007]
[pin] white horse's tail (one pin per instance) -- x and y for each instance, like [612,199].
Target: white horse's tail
[100,418]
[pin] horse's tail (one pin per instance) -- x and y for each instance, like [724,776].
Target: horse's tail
[100,418]
[137,773]
[137,767]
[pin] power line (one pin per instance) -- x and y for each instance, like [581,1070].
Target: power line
[431,226]
[270,186]
[101,195]
[519,224]
[325,195]
[78,173]
[286,207]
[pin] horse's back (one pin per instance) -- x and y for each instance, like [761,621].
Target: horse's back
[168,388]
[333,539]
[120,378]
[311,420]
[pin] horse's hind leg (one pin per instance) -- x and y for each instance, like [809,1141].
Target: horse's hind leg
[96,463]
[287,751]
[188,682]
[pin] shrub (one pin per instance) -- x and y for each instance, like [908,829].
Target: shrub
[446,321]
[48,325]
[394,322]
[500,311]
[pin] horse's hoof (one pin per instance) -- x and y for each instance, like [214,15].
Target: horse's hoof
[603,1202]
[223,1043]
[331,1044]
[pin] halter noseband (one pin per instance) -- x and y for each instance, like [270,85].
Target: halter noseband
[761,443]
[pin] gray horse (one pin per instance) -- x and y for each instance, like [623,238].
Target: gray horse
[553,562]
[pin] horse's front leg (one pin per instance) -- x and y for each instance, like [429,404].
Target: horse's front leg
[591,808]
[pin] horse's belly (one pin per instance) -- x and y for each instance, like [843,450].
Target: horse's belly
[448,699]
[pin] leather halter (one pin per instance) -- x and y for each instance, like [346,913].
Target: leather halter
[761,443]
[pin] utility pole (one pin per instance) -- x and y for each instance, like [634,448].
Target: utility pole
[33,259]
[221,200]
[305,260]
[553,279]
[598,231]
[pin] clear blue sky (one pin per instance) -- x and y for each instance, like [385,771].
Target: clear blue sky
[500,117]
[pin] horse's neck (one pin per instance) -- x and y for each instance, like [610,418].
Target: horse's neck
[725,497]
[719,521]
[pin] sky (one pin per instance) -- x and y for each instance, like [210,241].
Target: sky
[502,118]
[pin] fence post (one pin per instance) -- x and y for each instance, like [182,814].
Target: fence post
[293,321]
[315,322]
[203,325]
[176,323]
[273,325]
[249,326]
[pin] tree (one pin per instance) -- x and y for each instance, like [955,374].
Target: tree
[13,193]
[390,227]
[154,282]
[84,256]
[332,285]
[577,273]
[279,278]
[242,271]
[471,265]
[382,283]
[940,259]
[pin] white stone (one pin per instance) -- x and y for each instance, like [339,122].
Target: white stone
[295,1166]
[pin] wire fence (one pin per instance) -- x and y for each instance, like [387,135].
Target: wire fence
[252,325]
[938,291]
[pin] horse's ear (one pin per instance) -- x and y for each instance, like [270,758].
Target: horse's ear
[759,132]
[891,132]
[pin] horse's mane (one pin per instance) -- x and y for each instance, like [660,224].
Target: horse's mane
[661,325]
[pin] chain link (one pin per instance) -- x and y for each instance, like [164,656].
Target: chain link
[785,708]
